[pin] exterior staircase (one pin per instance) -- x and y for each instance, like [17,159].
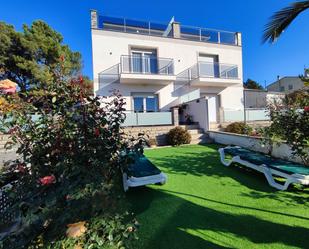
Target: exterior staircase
[198,136]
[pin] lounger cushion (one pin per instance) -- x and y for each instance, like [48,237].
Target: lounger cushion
[142,167]
[259,159]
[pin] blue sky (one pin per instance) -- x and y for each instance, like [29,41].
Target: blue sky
[263,63]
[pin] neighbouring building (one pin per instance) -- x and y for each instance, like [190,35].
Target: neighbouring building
[169,73]
[286,84]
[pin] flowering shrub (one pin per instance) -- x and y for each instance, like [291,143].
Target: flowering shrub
[290,123]
[70,160]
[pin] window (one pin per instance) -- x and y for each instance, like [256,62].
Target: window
[145,103]
[282,88]
[144,61]
[290,87]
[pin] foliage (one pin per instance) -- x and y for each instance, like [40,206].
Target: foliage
[282,19]
[31,57]
[70,160]
[299,98]
[239,128]
[251,84]
[290,123]
[152,141]
[178,136]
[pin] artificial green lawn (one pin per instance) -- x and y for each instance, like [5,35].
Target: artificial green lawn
[207,205]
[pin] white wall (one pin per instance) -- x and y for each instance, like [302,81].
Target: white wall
[198,109]
[108,46]
[281,150]
[260,98]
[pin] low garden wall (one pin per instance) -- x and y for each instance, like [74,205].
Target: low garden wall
[157,132]
[281,150]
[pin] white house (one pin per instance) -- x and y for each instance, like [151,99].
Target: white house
[161,68]
[287,84]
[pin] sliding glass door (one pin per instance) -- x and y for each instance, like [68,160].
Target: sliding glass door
[144,62]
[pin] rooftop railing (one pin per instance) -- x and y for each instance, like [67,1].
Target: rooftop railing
[146,65]
[160,29]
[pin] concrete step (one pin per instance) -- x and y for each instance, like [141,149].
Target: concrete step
[215,126]
[202,138]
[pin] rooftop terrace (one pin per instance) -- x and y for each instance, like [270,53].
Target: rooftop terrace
[169,30]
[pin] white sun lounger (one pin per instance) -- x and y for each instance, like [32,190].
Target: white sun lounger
[142,172]
[270,167]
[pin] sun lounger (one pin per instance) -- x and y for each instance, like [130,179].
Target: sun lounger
[270,167]
[142,172]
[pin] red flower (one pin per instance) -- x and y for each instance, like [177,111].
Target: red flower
[47,180]
[62,57]
[306,108]
[81,80]
[97,132]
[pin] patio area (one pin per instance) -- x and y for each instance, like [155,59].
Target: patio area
[206,205]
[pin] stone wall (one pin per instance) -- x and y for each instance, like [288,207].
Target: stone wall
[157,132]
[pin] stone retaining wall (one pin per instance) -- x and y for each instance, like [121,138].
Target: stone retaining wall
[157,132]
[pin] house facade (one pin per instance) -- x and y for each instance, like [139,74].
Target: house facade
[167,72]
[286,84]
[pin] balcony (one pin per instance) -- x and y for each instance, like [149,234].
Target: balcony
[139,27]
[211,74]
[146,69]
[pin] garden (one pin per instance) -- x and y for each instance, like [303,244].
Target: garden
[65,190]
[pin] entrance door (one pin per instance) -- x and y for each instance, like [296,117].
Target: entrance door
[213,106]
[212,109]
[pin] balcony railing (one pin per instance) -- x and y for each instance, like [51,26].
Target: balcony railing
[160,29]
[151,64]
[147,118]
[213,70]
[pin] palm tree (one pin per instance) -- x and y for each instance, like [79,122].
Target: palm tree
[282,19]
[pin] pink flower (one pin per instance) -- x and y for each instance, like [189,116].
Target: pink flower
[306,108]
[47,180]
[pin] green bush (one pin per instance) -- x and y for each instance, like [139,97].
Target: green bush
[71,166]
[239,128]
[178,136]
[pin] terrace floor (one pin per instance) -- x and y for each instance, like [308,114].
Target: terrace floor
[207,205]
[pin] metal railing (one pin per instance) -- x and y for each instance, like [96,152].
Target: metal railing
[159,29]
[147,118]
[146,65]
[213,70]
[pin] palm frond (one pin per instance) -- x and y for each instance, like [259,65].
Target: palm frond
[282,19]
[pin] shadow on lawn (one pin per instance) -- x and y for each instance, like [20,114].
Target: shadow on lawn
[207,162]
[167,222]
[201,163]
